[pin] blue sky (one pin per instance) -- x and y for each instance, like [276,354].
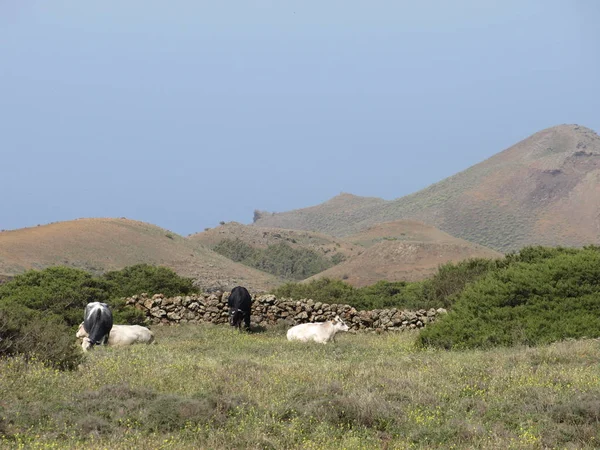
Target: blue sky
[186,113]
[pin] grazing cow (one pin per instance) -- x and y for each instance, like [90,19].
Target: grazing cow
[321,332]
[121,335]
[97,322]
[240,303]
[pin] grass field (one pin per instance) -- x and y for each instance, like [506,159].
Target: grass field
[211,387]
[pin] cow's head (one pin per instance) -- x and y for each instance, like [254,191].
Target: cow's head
[339,324]
[236,316]
[86,344]
[81,333]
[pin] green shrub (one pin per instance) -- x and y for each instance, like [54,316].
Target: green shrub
[388,294]
[451,278]
[384,294]
[542,295]
[338,258]
[61,291]
[123,313]
[37,335]
[140,278]
[324,290]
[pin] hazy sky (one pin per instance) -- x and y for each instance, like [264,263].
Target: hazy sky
[186,113]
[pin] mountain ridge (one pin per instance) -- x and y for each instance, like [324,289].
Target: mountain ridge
[523,195]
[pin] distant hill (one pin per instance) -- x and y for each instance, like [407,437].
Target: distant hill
[402,251]
[261,237]
[404,230]
[98,245]
[543,190]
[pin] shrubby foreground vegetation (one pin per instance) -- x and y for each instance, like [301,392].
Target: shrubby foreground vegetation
[210,387]
[536,296]
[540,296]
[40,309]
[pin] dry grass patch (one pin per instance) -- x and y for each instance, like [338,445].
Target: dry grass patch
[213,387]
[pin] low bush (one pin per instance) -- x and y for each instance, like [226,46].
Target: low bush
[140,278]
[542,295]
[61,291]
[451,279]
[44,337]
[383,294]
[324,290]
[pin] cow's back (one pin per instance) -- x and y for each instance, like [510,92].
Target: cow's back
[121,335]
[98,321]
[304,332]
[240,298]
[320,332]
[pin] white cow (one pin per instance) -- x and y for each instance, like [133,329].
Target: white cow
[122,335]
[321,332]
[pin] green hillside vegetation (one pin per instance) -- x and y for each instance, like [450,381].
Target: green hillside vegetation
[541,295]
[39,310]
[278,259]
[437,292]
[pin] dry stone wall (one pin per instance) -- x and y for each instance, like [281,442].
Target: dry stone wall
[269,310]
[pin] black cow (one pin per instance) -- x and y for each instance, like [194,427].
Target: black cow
[97,322]
[240,303]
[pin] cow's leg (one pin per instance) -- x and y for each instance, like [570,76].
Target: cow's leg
[247,320]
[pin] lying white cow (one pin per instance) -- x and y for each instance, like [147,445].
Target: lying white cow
[321,332]
[121,335]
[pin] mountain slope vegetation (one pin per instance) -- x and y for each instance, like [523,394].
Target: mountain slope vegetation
[289,254]
[264,237]
[402,250]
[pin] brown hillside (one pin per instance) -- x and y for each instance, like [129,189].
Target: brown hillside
[99,245]
[259,237]
[543,190]
[403,250]
[403,230]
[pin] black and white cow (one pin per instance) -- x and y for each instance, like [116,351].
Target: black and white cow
[240,303]
[97,322]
